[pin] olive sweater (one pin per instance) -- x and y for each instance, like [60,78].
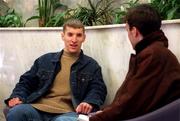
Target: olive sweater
[58,99]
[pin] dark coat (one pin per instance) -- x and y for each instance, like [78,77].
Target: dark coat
[153,80]
[86,80]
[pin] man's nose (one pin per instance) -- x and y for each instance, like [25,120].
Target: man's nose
[74,39]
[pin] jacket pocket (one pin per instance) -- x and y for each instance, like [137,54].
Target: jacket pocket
[83,81]
[44,77]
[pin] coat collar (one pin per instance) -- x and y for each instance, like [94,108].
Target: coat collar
[151,38]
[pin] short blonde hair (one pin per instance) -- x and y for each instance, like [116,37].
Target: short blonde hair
[74,23]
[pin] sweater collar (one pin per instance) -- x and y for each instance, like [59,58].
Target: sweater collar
[58,55]
[151,38]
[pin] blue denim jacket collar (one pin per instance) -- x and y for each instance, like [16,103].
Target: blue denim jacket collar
[58,56]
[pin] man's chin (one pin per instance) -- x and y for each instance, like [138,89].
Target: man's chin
[74,51]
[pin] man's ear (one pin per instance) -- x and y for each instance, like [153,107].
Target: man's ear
[62,35]
[84,38]
[136,33]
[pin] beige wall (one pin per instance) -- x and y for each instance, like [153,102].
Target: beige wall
[27,8]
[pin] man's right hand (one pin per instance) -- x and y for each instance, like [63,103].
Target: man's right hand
[14,101]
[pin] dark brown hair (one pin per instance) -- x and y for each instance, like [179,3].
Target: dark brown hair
[144,17]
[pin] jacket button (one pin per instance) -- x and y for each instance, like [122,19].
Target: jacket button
[83,79]
[39,93]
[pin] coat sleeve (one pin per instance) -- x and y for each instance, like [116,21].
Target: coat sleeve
[134,96]
[26,85]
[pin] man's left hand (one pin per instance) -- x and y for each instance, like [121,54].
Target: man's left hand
[84,108]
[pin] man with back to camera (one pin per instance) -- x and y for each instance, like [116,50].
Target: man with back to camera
[153,79]
[60,85]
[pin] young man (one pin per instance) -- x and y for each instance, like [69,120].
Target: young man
[59,85]
[153,79]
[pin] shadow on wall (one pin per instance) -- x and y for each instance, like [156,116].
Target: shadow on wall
[5,91]
[8,74]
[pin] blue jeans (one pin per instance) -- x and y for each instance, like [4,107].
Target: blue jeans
[25,112]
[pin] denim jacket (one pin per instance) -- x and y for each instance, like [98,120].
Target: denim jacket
[86,80]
